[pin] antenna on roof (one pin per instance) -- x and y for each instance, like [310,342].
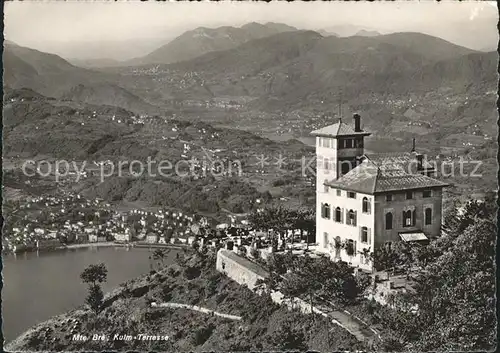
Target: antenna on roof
[413,145]
[340,107]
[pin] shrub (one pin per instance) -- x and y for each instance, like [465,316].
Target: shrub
[192,273]
[202,334]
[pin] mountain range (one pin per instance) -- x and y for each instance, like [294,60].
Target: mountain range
[204,40]
[287,71]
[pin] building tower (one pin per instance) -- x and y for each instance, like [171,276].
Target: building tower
[339,148]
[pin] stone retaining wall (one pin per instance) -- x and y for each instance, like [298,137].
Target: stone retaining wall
[245,272]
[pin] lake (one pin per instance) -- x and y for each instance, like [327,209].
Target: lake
[40,285]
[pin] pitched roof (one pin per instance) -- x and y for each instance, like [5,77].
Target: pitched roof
[406,161]
[371,178]
[338,129]
[363,178]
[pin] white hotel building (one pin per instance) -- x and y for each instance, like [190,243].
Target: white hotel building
[364,201]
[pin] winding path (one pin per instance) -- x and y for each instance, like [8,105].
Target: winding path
[195,308]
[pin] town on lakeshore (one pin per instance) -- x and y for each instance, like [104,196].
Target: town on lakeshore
[215,177]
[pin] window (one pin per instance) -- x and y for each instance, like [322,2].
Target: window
[388,220]
[427,193]
[350,247]
[358,143]
[341,144]
[351,195]
[338,215]
[339,192]
[428,216]
[351,218]
[409,195]
[326,164]
[366,205]
[364,234]
[345,167]
[349,143]
[388,197]
[338,246]
[325,211]
[408,218]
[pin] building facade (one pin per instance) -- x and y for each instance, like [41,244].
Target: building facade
[364,201]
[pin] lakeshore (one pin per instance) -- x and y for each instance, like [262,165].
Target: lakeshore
[99,245]
[213,313]
[54,287]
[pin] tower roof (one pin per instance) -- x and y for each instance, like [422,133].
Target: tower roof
[339,129]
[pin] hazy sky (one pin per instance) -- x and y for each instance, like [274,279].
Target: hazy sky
[45,24]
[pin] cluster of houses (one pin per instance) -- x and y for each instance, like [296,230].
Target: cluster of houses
[49,221]
[54,221]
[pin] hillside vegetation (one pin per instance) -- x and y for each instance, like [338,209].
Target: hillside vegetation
[192,280]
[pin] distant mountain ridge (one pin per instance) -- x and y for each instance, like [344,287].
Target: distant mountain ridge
[365,33]
[45,73]
[285,71]
[203,40]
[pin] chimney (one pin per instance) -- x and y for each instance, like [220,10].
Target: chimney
[357,122]
[420,159]
[413,145]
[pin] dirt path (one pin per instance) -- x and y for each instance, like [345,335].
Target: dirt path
[195,308]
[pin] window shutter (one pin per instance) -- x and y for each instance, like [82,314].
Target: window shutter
[342,215]
[355,248]
[361,234]
[355,217]
[369,236]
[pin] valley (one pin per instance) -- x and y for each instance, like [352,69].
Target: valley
[278,85]
[324,184]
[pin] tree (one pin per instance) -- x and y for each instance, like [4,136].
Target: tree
[404,251]
[94,275]
[385,258]
[288,337]
[425,254]
[456,295]
[291,286]
[159,255]
[95,298]
[338,280]
[305,221]
[278,218]
[453,306]
[269,284]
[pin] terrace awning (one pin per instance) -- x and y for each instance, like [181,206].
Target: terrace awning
[416,236]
